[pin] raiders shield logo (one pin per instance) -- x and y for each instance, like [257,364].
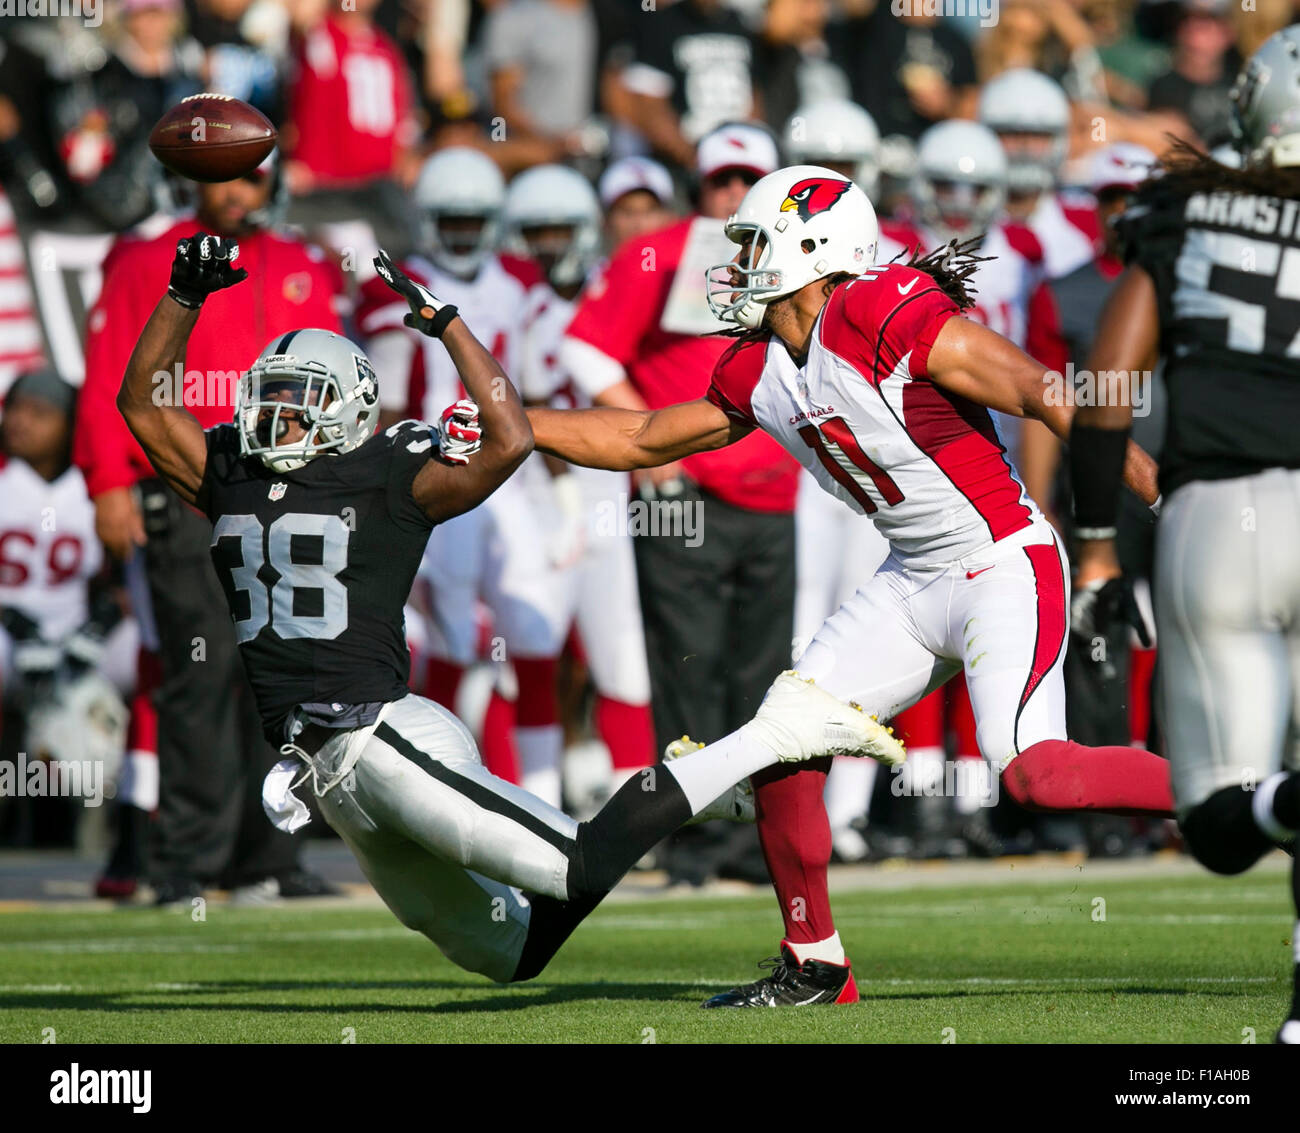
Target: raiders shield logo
[277,491]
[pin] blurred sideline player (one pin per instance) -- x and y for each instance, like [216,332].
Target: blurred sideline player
[637,196]
[497,553]
[66,655]
[495,877]
[1031,117]
[552,216]
[872,380]
[1211,288]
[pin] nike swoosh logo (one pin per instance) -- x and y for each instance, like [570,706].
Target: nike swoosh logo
[974,573]
[904,290]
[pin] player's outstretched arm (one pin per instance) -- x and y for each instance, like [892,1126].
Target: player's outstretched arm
[447,490]
[626,439]
[982,366]
[169,434]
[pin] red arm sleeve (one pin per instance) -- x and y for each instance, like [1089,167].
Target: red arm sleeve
[621,307]
[1044,339]
[103,447]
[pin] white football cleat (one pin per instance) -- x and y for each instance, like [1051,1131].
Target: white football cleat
[734,805]
[799,721]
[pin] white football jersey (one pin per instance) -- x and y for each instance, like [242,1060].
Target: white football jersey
[48,547]
[1066,227]
[862,415]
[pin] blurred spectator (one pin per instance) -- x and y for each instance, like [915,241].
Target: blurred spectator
[245,42]
[541,58]
[693,70]
[794,65]
[1049,36]
[350,134]
[350,104]
[908,71]
[1205,64]
[212,754]
[637,196]
[102,121]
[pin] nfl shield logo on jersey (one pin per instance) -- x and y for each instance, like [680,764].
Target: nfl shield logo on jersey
[277,491]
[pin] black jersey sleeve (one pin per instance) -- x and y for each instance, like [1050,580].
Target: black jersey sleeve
[413,446]
[223,452]
[1151,228]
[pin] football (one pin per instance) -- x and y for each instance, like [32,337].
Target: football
[212,137]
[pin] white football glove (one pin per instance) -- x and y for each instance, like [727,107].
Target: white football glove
[459,433]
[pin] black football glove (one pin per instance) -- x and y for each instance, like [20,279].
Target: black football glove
[1098,606]
[428,314]
[203,264]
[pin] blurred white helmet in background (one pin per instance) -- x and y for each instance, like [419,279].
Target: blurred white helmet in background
[460,183]
[960,182]
[1026,102]
[836,132]
[554,196]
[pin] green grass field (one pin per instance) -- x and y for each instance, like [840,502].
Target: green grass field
[1176,959]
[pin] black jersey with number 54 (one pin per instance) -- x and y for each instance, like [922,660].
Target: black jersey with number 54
[317,565]
[1226,268]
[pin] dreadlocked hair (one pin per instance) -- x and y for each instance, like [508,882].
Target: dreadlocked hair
[951,267]
[1186,170]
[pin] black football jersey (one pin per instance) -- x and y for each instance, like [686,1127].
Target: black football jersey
[1226,267]
[317,565]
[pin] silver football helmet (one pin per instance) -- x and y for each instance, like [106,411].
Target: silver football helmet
[554,196]
[1025,102]
[317,377]
[836,132]
[1266,102]
[460,184]
[961,178]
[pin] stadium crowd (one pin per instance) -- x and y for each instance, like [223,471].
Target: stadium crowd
[560,169]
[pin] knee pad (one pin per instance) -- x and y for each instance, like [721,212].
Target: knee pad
[1221,833]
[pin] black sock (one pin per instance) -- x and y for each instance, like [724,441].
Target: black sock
[1286,802]
[1222,833]
[643,812]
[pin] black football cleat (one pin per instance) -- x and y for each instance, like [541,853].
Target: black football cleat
[792,984]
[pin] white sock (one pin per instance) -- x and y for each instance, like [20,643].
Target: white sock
[539,761]
[974,785]
[848,790]
[1261,806]
[703,775]
[922,774]
[830,950]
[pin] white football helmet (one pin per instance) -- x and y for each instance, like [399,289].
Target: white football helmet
[1266,102]
[801,224]
[554,195]
[1024,101]
[961,178]
[460,183]
[333,392]
[84,721]
[836,132]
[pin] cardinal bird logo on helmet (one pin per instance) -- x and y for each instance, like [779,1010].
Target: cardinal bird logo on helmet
[813,195]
